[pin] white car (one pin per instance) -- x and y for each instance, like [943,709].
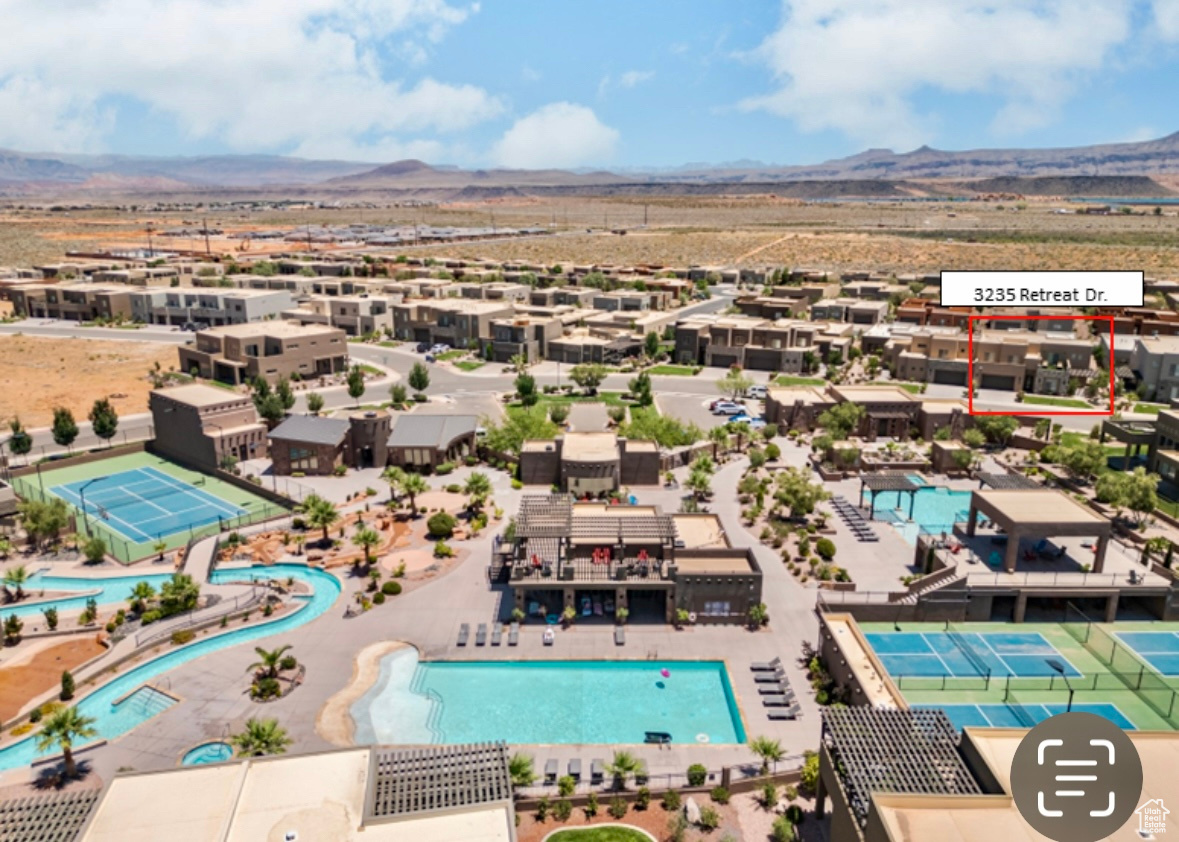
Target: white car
[757,393]
[727,408]
[440,348]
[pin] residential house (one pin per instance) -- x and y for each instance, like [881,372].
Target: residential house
[271,350]
[207,307]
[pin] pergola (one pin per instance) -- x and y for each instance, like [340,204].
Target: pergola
[1039,513]
[423,780]
[56,817]
[876,483]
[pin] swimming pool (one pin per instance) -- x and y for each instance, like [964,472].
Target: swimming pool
[111,590]
[115,715]
[935,509]
[547,702]
[215,752]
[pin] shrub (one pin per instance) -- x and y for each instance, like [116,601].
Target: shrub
[67,686]
[542,809]
[791,792]
[265,688]
[709,818]
[182,636]
[671,801]
[110,627]
[810,771]
[391,588]
[783,830]
[769,795]
[444,468]
[618,807]
[443,550]
[719,794]
[35,715]
[454,488]
[566,785]
[517,485]
[697,774]
[563,810]
[643,799]
[288,662]
[441,525]
[378,598]
[21,730]
[340,470]
[773,451]
[825,547]
[794,814]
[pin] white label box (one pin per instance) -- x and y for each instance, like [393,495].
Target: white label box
[1042,289]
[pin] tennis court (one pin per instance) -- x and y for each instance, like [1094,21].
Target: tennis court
[967,654]
[1023,715]
[1160,649]
[144,504]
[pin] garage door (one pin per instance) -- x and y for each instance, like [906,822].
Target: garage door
[997,381]
[948,377]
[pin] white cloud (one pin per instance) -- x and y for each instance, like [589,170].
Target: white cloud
[635,77]
[1166,16]
[560,134]
[255,74]
[856,65]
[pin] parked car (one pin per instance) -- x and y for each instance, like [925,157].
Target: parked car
[429,358]
[440,348]
[754,423]
[727,408]
[712,406]
[757,393]
[423,347]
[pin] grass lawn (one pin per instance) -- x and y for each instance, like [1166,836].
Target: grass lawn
[371,369]
[390,343]
[469,365]
[1047,401]
[608,398]
[1150,408]
[599,834]
[673,370]
[911,388]
[450,355]
[787,380]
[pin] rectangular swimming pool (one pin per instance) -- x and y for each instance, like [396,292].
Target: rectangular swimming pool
[547,702]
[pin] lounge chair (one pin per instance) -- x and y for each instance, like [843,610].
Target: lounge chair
[481,635]
[597,771]
[550,771]
[514,634]
[497,634]
[790,712]
[464,634]
[575,769]
[548,636]
[779,701]
[659,738]
[619,636]
[766,666]
[770,677]
[774,690]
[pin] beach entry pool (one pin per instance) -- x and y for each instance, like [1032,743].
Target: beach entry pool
[547,702]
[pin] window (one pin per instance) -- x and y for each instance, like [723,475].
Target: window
[716,609]
[303,459]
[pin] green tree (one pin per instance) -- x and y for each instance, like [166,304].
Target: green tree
[12,629]
[841,420]
[65,428]
[50,617]
[43,521]
[973,437]
[141,592]
[526,389]
[640,388]
[621,766]
[366,539]
[67,686]
[651,344]
[314,403]
[394,476]
[521,770]
[16,578]
[94,549]
[1084,460]
[103,419]
[1141,491]
[734,384]
[180,593]
[419,378]
[769,750]
[356,385]
[519,426]
[997,428]
[319,513]
[270,407]
[268,661]
[261,737]
[20,442]
[285,393]
[412,486]
[398,393]
[797,493]
[589,376]
[478,489]
[558,413]
[699,483]
[63,729]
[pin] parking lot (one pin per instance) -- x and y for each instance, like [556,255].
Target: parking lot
[694,409]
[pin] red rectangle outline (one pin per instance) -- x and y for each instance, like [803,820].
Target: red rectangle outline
[970,368]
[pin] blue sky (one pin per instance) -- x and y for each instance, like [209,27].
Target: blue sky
[611,84]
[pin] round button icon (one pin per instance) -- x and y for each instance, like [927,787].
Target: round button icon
[1076,777]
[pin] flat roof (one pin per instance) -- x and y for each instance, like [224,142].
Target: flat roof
[919,818]
[198,395]
[589,447]
[713,564]
[872,394]
[794,394]
[272,328]
[1160,344]
[1046,507]
[697,531]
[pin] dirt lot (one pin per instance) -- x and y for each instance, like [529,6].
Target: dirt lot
[28,678]
[38,374]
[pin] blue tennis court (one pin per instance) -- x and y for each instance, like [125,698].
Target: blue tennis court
[1160,649]
[1024,715]
[145,504]
[967,654]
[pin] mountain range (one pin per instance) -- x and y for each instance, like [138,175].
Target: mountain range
[1083,168]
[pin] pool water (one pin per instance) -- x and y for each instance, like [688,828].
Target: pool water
[217,752]
[935,510]
[111,590]
[114,720]
[547,702]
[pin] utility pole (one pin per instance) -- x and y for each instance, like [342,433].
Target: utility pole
[208,252]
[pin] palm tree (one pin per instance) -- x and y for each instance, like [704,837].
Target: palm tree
[268,660]
[477,489]
[520,770]
[319,513]
[366,538]
[62,729]
[412,486]
[720,437]
[16,578]
[395,477]
[699,483]
[770,751]
[623,765]
[140,594]
[261,737]
[160,547]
